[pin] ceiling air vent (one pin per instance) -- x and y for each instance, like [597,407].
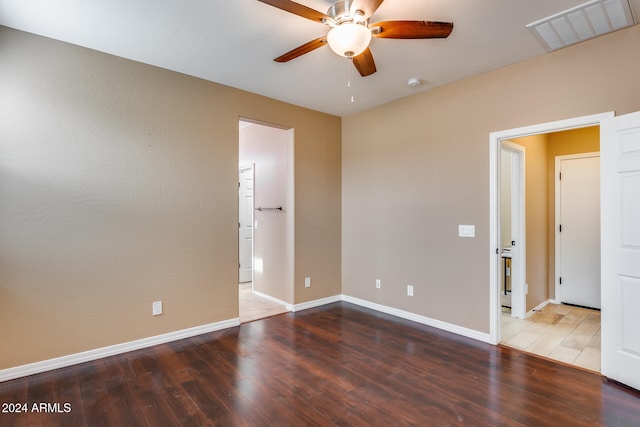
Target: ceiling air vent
[581,23]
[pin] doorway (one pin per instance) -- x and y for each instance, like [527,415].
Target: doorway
[496,139]
[560,332]
[265,220]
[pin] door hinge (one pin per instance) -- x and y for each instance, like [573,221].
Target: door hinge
[560,176]
[561,280]
[497,251]
[561,228]
[238,225]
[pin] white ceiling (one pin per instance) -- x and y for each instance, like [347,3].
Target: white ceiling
[233,42]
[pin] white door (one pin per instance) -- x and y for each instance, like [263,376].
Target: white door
[245,225]
[514,166]
[620,152]
[579,231]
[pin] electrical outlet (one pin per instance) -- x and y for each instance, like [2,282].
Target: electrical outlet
[409,290]
[307,282]
[156,308]
[378,284]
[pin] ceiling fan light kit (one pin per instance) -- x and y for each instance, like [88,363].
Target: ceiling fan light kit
[349,39]
[351,33]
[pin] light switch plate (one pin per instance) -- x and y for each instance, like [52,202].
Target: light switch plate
[467,230]
[157,308]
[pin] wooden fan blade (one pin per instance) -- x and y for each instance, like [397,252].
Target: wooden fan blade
[411,29]
[301,50]
[364,63]
[369,7]
[297,9]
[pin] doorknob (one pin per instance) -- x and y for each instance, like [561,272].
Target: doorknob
[513,243]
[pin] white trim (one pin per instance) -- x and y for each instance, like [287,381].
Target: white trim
[276,300]
[538,307]
[558,258]
[560,125]
[88,356]
[112,350]
[449,327]
[495,303]
[494,143]
[316,303]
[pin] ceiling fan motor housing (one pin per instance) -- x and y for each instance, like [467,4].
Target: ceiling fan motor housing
[343,11]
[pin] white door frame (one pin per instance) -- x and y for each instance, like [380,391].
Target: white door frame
[494,243]
[518,227]
[558,258]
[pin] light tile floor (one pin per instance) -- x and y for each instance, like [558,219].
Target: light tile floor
[560,332]
[254,307]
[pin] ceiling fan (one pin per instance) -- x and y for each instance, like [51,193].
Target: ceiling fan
[351,31]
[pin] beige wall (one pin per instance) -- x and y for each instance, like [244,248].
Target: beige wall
[118,187]
[416,168]
[269,150]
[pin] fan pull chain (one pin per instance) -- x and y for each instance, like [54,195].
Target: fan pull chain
[349,76]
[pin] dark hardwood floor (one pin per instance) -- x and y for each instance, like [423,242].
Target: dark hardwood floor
[334,365]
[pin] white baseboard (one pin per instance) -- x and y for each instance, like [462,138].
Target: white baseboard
[449,327]
[316,303]
[276,300]
[99,353]
[538,307]
[87,356]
